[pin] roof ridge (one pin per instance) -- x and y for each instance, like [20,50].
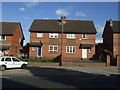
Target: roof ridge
[59,19]
[11,22]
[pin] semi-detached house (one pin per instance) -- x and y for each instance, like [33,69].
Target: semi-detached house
[111,38]
[78,39]
[11,38]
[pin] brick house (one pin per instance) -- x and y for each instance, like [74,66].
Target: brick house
[11,38]
[78,39]
[111,37]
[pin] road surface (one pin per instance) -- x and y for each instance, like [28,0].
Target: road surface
[61,77]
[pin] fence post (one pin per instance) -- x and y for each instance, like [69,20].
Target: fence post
[118,60]
[108,60]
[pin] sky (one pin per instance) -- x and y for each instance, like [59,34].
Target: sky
[26,12]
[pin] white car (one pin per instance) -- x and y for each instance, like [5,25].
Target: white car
[11,62]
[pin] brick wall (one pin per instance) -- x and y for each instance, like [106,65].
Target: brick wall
[116,43]
[66,42]
[108,39]
[15,46]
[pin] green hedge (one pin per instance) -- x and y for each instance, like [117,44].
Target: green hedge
[37,60]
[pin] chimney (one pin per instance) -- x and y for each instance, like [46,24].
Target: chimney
[111,22]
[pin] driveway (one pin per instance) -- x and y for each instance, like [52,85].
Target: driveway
[61,77]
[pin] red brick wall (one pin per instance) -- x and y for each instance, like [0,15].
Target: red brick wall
[116,44]
[66,42]
[14,41]
[108,39]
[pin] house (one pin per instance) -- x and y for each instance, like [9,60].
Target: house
[78,39]
[98,51]
[111,37]
[11,38]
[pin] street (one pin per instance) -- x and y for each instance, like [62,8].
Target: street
[61,77]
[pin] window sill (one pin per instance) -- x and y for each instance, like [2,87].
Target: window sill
[70,53]
[85,38]
[71,38]
[2,40]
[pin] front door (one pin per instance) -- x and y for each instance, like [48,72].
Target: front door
[39,54]
[84,53]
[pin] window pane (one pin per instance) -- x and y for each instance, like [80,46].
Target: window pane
[2,59]
[86,35]
[2,37]
[53,35]
[73,49]
[67,49]
[15,60]
[51,47]
[70,49]
[8,59]
[70,35]
[39,34]
[55,48]
[83,35]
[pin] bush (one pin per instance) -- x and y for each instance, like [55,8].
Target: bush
[37,60]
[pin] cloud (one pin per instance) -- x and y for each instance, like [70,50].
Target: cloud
[26,17]
[63,11]
[22,9]
[99,29]
[99,41]
[32,3]
[45,18]
[78,14]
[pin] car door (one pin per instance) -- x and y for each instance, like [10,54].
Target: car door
[16,62]
[8,62]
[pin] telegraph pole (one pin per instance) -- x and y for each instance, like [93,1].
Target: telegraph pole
[63,21]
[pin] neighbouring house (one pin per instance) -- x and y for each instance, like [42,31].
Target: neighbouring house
[26,50]
[78,39]
[11,38]
[98,51]
[111,38]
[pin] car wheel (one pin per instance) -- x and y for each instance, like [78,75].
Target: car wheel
[2,68]
[24,66]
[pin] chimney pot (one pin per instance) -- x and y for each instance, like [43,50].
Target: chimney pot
[111,22]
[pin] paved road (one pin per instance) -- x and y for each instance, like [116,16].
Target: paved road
[61,77]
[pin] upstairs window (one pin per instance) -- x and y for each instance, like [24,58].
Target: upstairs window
[84,36]
[53,35]
[39,35]
[72,36]
[2,37]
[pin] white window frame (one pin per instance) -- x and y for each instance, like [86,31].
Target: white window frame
[70,36]
[39,35]
[1,37]
[72,49]
[53,51]
[33,48]
[85,36]
[53,35]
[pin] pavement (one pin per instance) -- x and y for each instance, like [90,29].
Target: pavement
[61,77]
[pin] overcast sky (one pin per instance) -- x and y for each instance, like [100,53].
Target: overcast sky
[26,12]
